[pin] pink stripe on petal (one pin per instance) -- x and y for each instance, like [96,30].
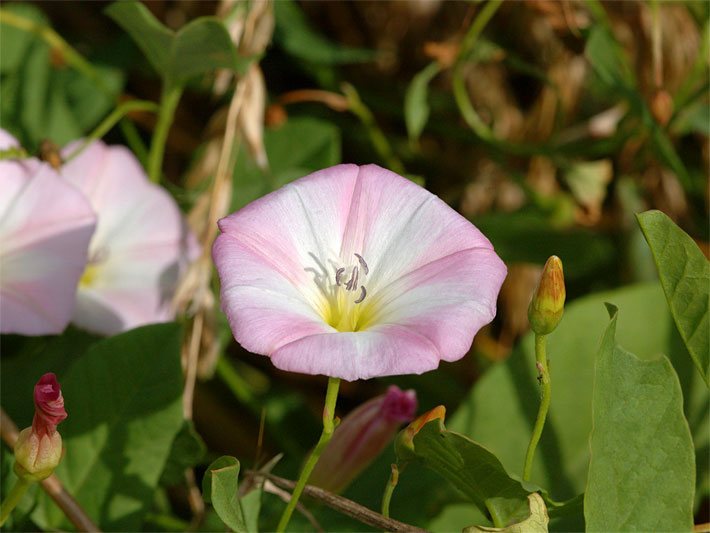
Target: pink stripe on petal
[398,226]
[298,222]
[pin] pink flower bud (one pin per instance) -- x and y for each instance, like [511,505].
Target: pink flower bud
[38,449]
[49,405]
[361,437]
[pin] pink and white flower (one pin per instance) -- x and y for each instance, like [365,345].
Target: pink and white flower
[140,246]
[355,272]
[45,228]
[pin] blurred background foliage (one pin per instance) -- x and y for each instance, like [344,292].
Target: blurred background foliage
[547,123]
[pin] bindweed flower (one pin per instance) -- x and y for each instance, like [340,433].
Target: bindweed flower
[38,449]
[140,247]
[45,228]
[361,437]
[355,272]
[548,302]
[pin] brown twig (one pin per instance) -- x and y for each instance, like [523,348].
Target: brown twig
[272,488]
[343,505]
[52,486]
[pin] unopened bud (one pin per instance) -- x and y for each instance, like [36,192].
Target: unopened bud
[548,302]
[662,106]
[404,444]
[38,449]
[36,456]
[361,437]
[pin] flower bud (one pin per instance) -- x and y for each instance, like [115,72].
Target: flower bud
[404,445]
[38,449]
[361,437]
[548,302]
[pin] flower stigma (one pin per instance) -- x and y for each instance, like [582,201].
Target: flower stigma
[340,305]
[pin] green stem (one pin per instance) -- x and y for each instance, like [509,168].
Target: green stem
[544,378]
[389,490]
[377,136]
[236,383]
[497,519]
[53,39]
[135,143]
[111,120]
[331,397]
[13,153]
[168,103]
[468,112]
[16,493]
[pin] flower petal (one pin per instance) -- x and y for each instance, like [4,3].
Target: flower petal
[140,247]
[447,300]
[299,225]
[398,226]
[261,301]
[384,350]
[45,228]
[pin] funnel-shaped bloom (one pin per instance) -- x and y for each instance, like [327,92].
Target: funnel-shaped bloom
[355,272]
[361,437]
[45,228]
[38,449]
[140,245]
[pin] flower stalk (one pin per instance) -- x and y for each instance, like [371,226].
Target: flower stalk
[13,498]
[389,490]
[331,397]
[168,103]
[544,378]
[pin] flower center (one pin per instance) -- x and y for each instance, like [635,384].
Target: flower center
[344,294]
[93,268]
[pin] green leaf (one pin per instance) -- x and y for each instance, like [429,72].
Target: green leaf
[200,46]
[187,450]
[685,278]
[151,36]
[297,148]
[473,470]
[251,505]
[642,468]
[536,522]
[41,101]
[416,107]
[14,42]
[220,487]
[123,397]
[295,35]
[500,410]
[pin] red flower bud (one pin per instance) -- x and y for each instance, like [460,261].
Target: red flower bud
[38,449]
[49,405]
